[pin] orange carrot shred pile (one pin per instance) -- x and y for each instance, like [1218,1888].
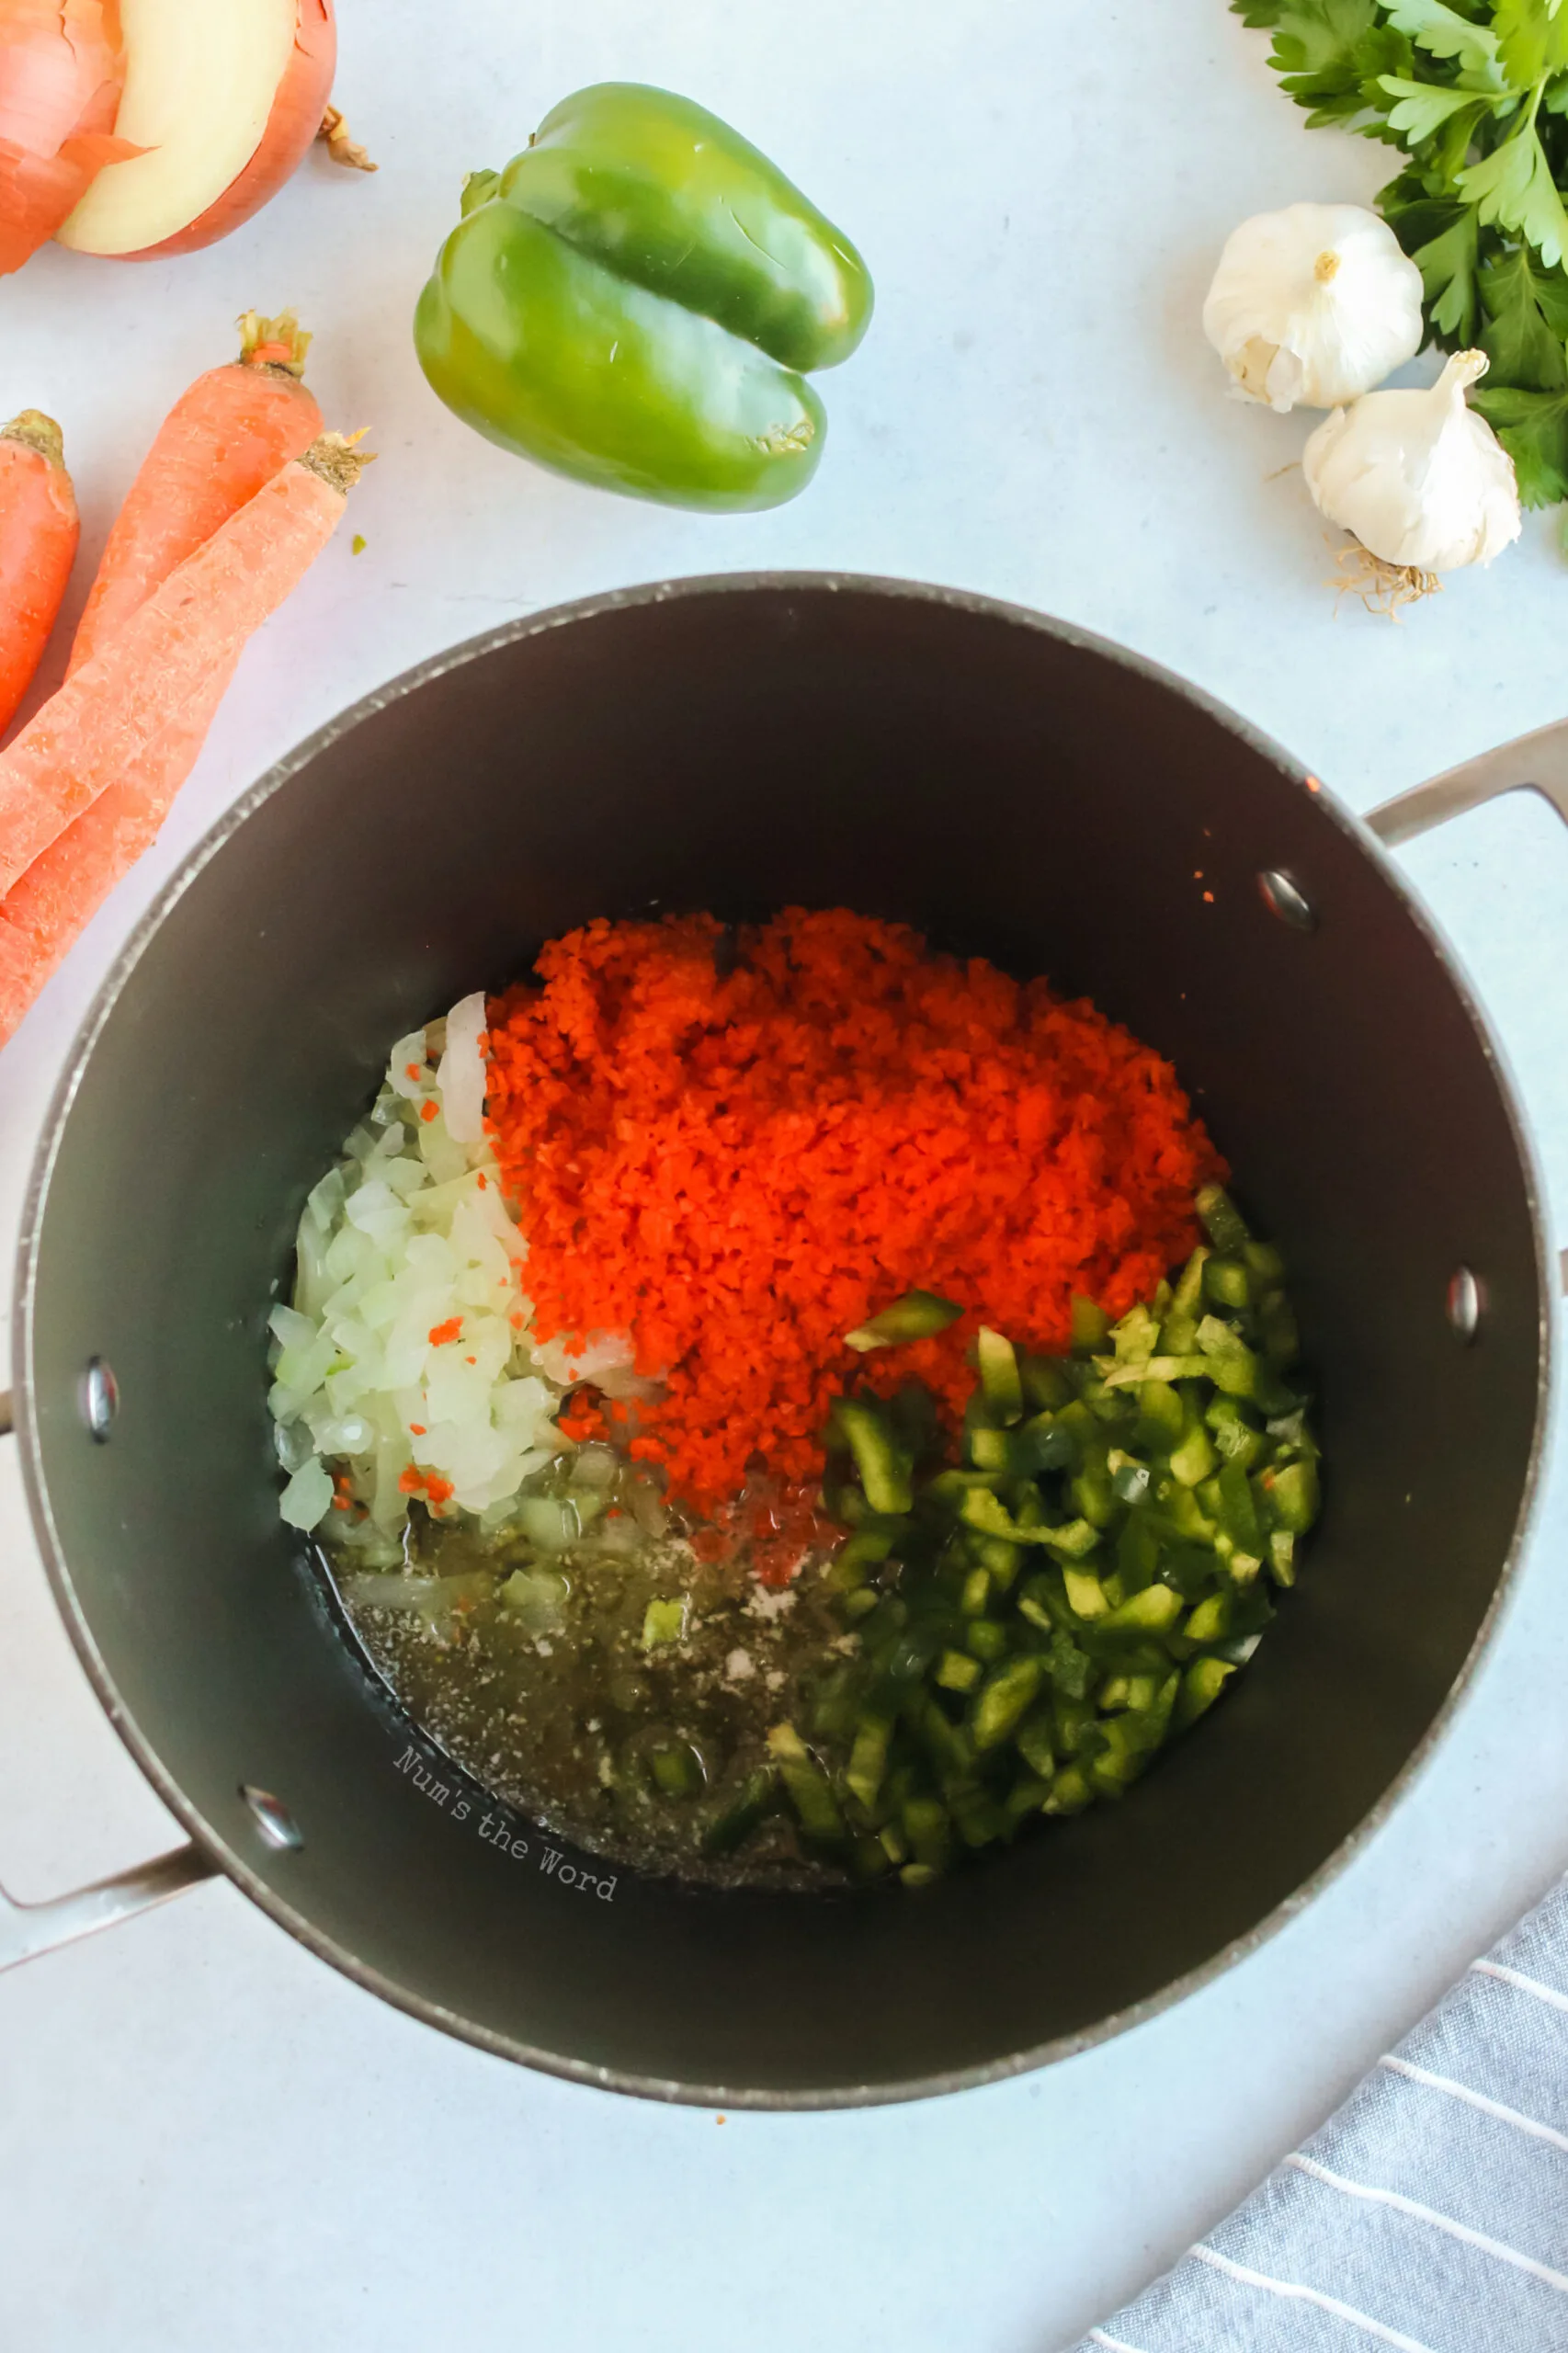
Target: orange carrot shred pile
[738,1169]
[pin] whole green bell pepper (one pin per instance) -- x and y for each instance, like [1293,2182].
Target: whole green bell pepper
[633,300]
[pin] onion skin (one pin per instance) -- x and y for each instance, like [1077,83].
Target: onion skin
[47,161]
[291,127]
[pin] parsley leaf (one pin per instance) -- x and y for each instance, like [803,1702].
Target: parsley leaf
[1526,323]
[1533,429]
[1533,40]
[1423,106]
[1447,266]
[1445,33]
[1316,51]
[1514,187]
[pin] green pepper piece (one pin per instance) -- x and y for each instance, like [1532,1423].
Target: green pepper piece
[917,1316]
[752,1803]
[1292,1495]
[884,1470]
[861,1552]
[990,1449]
[1188,1367]
[980,1820]
[1086,1594]
[999,1379]
[675,1771]
[983,1510]
[1007,1695]
[957,1671]
[1070,1791]
[1091,1326]
[1281,1556]
[1127,1743]
[976,1593]
[1193,1459]
[1027,1796]
[1070,1668]
[662,1621]
[1045,1384]
[1201,1685]
[1092,1495]
[1159,1416]
[893,1843]
[1130,1479]
[1073,1541]
[1136,1552]
[929,1832]
[946,1744]
[1235,1435]
[1135,1339]
[1035,1741]
[1152,1612]
[808,1787]
[1276,1327]
[1185,1511]
[1211,1618]
[1229,1363]
[986,1640]
[869,1760]
[1001,1560]
[1238,1515]
[1221,1219]
[1073,1720]
[629,300]
[1228,1284]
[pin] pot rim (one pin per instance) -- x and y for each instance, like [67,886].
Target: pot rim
[233,1865]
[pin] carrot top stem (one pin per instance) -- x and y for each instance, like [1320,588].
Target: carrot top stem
[37,432]
[281,343]
[333,457]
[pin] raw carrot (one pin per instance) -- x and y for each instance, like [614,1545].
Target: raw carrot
[118,705]
[237,426]
[38,541]
[223,440]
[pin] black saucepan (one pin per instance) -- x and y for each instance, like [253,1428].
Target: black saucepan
[1017,791]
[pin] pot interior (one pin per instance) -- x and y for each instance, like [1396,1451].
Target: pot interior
[741,746]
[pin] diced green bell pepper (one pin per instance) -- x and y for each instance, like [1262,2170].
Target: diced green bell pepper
[1007,1695]
[917,1316]
[884,1468]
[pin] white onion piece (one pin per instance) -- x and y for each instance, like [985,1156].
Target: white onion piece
[460,1080]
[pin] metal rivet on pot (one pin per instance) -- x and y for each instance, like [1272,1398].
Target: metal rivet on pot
[273,1819]
[1466,1301]
[100,1399]
[1285,898]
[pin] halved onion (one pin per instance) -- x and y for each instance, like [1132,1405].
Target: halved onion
[222,98]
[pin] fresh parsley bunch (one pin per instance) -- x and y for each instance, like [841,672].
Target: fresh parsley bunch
[1475,93]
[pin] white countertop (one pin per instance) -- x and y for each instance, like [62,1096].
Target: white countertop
[207,2138]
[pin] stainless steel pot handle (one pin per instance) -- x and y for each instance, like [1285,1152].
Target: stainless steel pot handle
[1537,763]
[28,1930]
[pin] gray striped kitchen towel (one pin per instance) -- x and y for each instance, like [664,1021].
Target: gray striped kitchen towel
[1430,2212]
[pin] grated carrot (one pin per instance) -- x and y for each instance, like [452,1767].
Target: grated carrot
[738,1169]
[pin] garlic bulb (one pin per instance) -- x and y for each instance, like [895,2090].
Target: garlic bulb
[1421,479]
[1316,303]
